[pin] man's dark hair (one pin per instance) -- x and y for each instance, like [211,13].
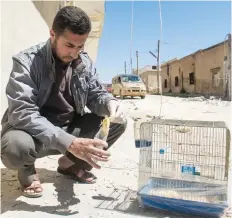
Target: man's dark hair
[73,19]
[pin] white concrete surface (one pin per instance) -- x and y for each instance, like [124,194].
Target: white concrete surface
[114,193]
[27,23]
[96,11]
[18,31]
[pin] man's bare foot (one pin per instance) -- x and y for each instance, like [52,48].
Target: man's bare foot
[35,187]
[87,176]
[80,175]
[67,167]
[34,190]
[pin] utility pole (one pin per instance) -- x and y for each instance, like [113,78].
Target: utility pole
[158,65]
[229,76]
[125,67]
[131,35]
[137,57]
[229,69]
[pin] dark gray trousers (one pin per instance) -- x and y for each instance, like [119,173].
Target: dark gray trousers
[20,150]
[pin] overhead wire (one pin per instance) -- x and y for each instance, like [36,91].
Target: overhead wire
[160,85]
[131,33]
[161,30]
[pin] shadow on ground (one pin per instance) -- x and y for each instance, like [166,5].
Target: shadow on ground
[10,192]
[121,199]
[126,202]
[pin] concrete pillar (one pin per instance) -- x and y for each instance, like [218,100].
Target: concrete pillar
[229,69]
[21,30]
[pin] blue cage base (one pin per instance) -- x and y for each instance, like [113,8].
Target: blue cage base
[199,209]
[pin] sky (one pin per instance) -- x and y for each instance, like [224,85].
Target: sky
[187,26]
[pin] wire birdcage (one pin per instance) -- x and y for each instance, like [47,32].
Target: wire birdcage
[184,165]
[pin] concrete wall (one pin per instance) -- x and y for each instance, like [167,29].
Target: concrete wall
[166,75]
[209,71]
[48,10]
[150,80]
[25,23]
[228,70]
[149,77]
[22,26]
[174,69]
[165,78]
[96,11]
[187,66]
[209,62]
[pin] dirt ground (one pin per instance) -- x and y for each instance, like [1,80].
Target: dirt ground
[114,194]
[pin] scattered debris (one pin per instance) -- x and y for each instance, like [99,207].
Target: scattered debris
[172,108]
[211,98]
[201,98]
[209,112]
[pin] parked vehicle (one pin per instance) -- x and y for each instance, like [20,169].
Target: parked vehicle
[128,85]
[108,87]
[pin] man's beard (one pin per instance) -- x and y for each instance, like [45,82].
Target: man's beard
[54,49]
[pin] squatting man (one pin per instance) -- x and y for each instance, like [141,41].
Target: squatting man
[49,86]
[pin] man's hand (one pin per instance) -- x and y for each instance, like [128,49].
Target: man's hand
[116,111]
[86,149]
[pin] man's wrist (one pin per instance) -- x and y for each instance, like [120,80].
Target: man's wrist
[71,146]
[64,141]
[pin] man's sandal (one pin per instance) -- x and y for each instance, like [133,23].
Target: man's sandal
[72,171]
[29,180]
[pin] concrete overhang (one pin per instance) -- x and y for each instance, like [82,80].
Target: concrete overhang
[96,11]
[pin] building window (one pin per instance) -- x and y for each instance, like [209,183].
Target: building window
[165,83]
[168,69]
[191,78]
[176,81]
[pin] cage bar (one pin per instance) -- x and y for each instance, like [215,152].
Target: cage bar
[186,161]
